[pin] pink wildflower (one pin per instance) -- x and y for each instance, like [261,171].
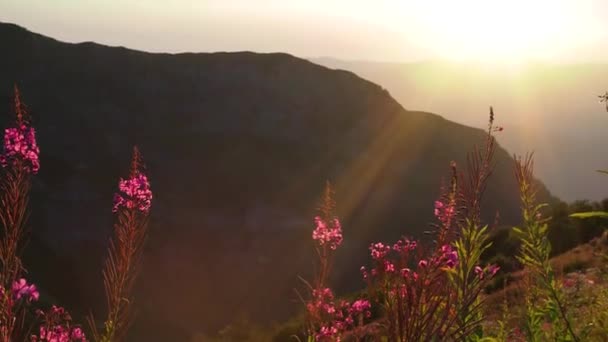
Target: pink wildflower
[20,147]
[21,289]
[379,250]
[322,302]
[404,245]
[444,212]
[438,207]
[78,335]
[360,306]
[327,333]
[449,256]
[134,193]
[56,327]
[330,234]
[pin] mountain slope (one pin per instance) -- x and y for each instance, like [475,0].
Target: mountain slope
[551,109]
[238,148]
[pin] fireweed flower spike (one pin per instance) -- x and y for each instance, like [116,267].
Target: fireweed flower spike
[328,234]
[132,205]
[19,159]
[446,209]
[134,193]
[20,148]
[468,277]
[328,319]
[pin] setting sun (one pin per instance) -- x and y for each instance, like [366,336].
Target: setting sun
[496,31]
[501,31]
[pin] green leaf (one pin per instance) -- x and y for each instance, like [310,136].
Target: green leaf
[590,214]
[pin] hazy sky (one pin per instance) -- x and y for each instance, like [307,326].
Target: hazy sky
[384,30]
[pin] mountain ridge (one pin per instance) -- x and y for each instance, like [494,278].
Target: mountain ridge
[550,108]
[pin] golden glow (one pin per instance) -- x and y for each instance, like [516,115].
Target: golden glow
[500,31]
[489,31]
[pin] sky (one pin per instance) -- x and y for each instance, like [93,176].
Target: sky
[377,30]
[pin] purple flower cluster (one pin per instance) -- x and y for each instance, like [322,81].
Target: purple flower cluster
[405,245]
[322,303]
[327,333]
[379,250]
[445,212]
[337,318]
[361,306]
[393,264]
[20,147]
[21,289]
[133,193]
[384,264]
[60,333]
[328,233]
[448,256]
[57,327]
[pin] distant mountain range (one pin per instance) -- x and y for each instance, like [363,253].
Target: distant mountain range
[238,147]
[551,109]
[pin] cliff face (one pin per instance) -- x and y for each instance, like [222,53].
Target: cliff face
[238,147]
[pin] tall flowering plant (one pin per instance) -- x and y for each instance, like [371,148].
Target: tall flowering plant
[329,319]
[19,160]
[327,236]
[534,255]
[57,327]
[418,288]
[435,293]
[132,205]
[473,237]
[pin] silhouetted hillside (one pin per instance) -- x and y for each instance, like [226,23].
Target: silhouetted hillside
[238,147]
[549,108]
